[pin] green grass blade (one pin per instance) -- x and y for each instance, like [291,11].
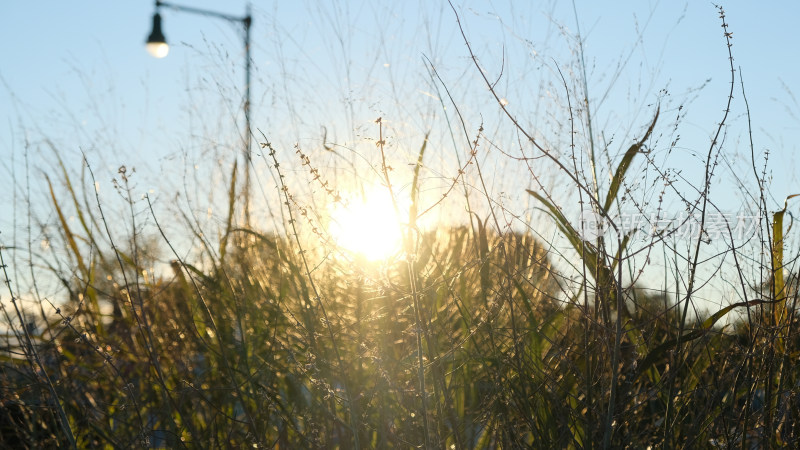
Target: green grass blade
[661,350]
[412,213]
[223,243]
[625,164]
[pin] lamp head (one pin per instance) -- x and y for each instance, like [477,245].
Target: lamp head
[156,42]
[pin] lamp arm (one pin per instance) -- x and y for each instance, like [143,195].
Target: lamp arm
[204,12]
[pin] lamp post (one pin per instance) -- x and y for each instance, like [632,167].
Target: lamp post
[157,46]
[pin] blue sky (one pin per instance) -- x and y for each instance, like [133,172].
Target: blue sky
[76,74]
[70,57]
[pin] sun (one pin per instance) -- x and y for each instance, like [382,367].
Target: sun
[367,225]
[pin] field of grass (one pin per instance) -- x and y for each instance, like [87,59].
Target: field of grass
[484,332]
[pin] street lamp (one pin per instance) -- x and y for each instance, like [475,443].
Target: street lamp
[157,46]
[156,42]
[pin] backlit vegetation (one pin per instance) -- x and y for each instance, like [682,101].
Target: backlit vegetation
[493,329]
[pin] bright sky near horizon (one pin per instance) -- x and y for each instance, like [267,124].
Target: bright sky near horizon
[77,75]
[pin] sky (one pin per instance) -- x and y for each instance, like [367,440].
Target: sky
[83,63]
[75,79]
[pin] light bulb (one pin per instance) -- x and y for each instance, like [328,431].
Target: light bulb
[158,49]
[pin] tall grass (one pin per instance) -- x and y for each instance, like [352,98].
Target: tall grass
[484,332]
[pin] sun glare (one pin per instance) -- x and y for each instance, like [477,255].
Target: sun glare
[368,226]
